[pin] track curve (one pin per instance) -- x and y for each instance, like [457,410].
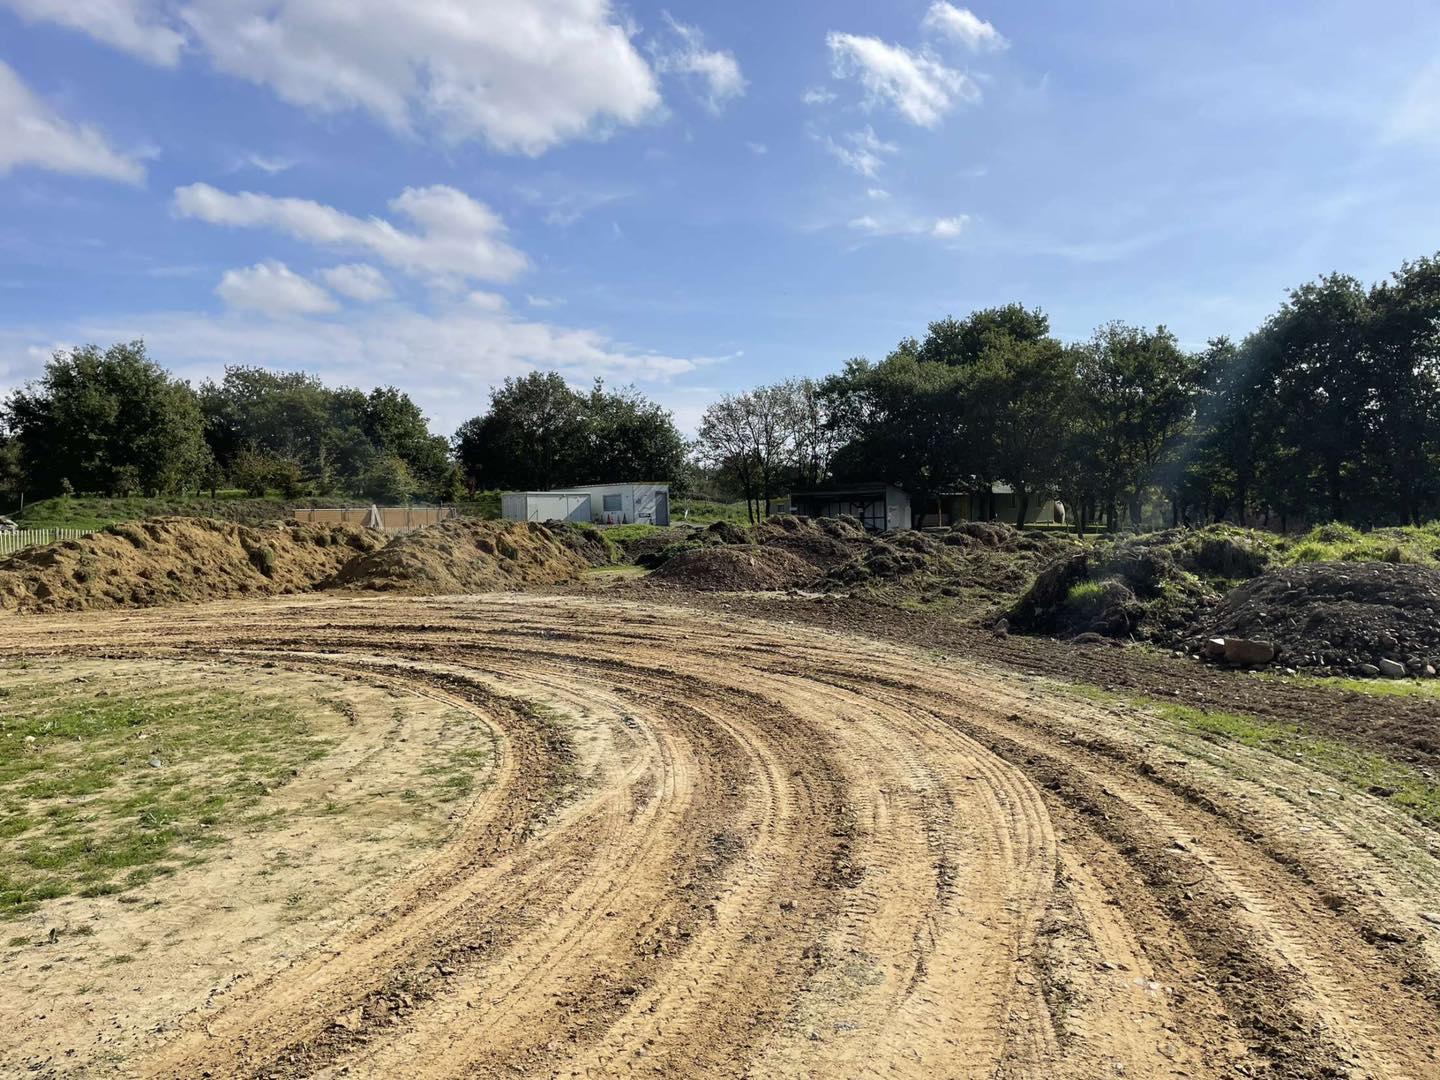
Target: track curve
[719,847]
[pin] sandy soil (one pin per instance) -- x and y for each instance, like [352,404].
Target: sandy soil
[719,846]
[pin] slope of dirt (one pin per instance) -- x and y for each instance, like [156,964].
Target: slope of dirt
[1339,616]
[736,568]
[717,847]
[170,560]
[461,556]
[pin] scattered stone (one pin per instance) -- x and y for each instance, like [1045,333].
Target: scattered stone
[1245,651]
[1391,669]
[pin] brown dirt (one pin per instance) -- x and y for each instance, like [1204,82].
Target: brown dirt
[719,846]
[737,568]
[464,556]
[1338,616]
[170,560]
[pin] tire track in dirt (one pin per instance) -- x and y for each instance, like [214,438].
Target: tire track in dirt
[722,847]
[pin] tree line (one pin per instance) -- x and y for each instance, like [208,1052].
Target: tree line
[1328,411]
[114,422]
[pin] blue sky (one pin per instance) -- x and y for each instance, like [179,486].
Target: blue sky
[691,197]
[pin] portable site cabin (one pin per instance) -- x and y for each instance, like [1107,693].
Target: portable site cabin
[878,506]
[603,504]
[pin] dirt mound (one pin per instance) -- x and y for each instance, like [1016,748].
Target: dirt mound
[821,542]
[170,560]
[736,568]
[1154,587]
[585,541]
[462,556]
[1345,618]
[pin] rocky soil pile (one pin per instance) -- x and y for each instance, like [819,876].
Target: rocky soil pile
[736,568]
[1362,618]
[463,556]
[1154,587]
[170,560]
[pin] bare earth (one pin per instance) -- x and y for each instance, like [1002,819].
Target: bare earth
[718,846]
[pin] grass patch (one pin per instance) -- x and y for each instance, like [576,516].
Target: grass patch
[99,793]
[706,512]
[1398,783]
[1416,544]
[623,534]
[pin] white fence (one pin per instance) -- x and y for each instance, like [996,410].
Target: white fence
[11,542]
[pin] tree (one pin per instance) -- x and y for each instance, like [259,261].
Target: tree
[540,434]
[388,480]
[108,422]
[727,445]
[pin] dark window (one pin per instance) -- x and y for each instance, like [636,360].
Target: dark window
[612,502]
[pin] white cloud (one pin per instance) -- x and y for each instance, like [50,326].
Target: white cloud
[523,74]
[862,150]
[685,54]
[31,133]
[945,228]
[817,95]
[456,237]
[918,86]
[134,26]
[948,228]
[543,301]
[759,149]
[486,301]
[964,26]
[271,166]
[877,193]
[358,281]
[273,289]
[447,359]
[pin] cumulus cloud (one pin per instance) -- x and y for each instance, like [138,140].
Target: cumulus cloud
[964,26]
[862,150]
[133,26]
[358,281]
[818,95]
[917,85]
[683,52]
[456,236]
[33,134]
[522,74]
[273,289]
[948,228]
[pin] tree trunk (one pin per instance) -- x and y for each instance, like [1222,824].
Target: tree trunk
[1022,507]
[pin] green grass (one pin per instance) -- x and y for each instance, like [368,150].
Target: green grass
[1398,783]
[1421,688]
[705,512]
[1418,544]
[100,794]
[94,512]
[621,534]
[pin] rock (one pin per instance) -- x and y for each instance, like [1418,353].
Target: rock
[1368,671]
[1391,669]
[1002,627]
[1429,671]
[1214,648]
[1245,651]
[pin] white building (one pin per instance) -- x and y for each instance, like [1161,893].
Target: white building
[603,504]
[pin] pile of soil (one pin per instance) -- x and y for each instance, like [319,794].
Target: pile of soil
[170,560]
[1342,618]
[585,541]
[736,568]
[460,556]
[821,542]
[1156,587]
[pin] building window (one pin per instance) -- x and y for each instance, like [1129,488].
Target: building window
[612,502]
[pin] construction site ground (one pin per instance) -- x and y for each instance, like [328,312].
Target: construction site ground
[731,836]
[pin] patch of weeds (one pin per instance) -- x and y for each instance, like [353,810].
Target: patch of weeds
[101,793]
[1396,782]
[1422,688]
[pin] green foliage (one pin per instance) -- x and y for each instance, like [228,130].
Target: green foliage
[111,422]
[388,480]
[706,511]
[88,512]
[540,434]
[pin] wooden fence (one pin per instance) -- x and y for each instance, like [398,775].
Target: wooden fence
[11,542]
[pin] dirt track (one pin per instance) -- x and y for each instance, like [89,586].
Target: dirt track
[734,848]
